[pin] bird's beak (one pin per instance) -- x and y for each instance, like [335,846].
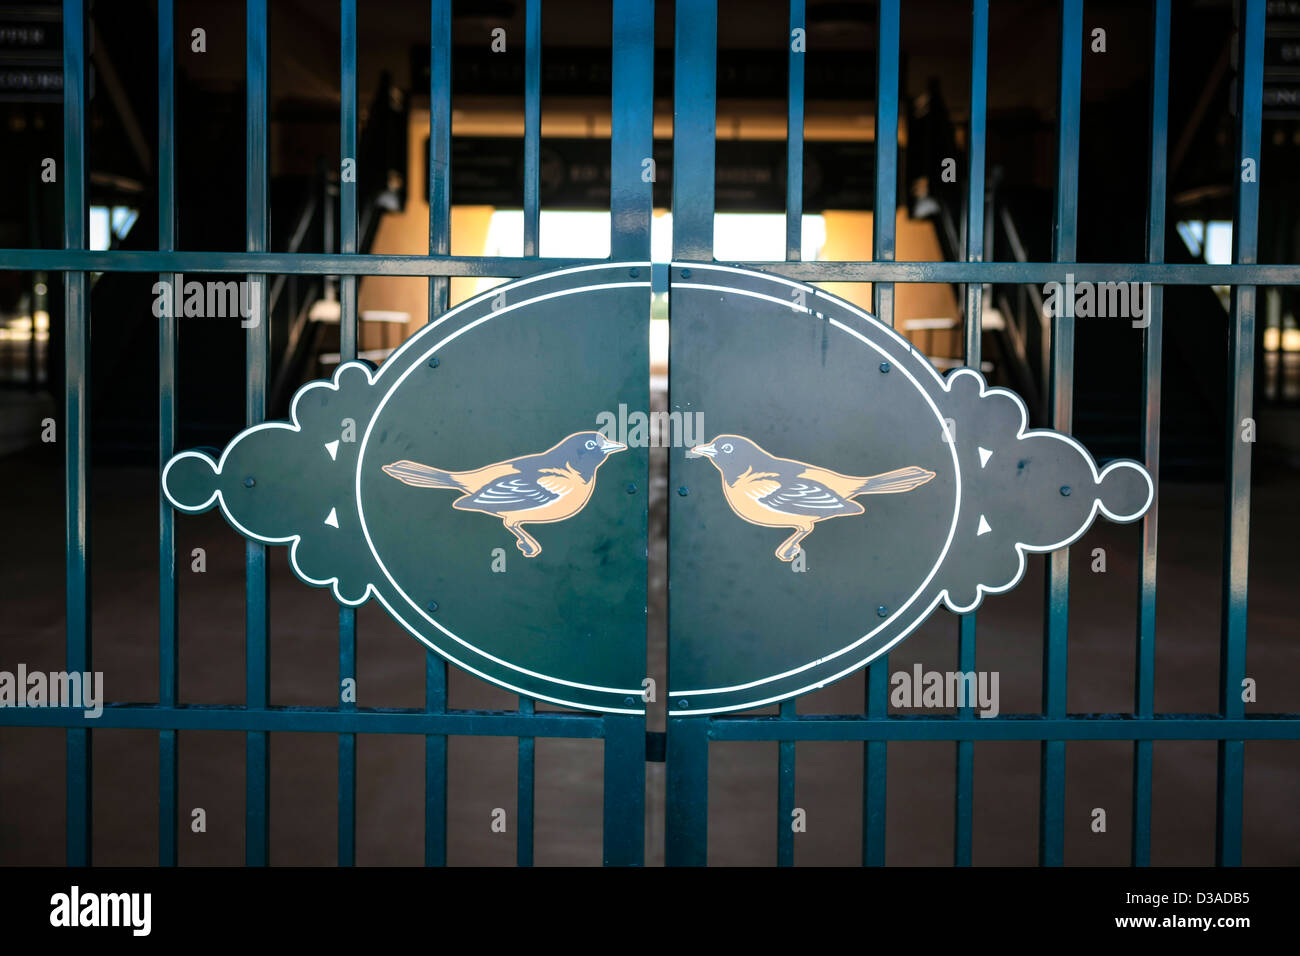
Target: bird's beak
[702,451]
[609,446]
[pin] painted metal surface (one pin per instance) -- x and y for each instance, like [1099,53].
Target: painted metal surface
[687,738]
[896,490]
[257,623]
[1240,399]
[302,263]
[168,663]
[464,486]
[1152,352]
[964,783]
[76,424]
[1051,801]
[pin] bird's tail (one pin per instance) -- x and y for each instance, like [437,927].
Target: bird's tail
[893,482]
[422,476]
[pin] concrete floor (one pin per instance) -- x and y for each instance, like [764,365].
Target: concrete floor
[742,815]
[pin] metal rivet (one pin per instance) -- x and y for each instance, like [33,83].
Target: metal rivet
[686,273]
[631,487]
[634,272]
[683,491]
[432,606]
[882,611]
[884,366]
[1065,490]
[249,482]
[683,704]
[433,362]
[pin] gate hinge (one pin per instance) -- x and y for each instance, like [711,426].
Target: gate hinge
[656,746]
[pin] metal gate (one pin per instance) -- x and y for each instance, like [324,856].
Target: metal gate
[688,738]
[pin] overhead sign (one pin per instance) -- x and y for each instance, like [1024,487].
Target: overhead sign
[487,485]
[846,490]
[464,486]
[31,54]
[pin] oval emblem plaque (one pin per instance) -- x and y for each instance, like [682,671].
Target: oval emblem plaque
[845,491]
[832,491]
[464,486]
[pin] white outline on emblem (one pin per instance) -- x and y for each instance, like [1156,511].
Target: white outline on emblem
[943,595]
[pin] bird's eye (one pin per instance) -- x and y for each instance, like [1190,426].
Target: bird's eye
[727,449]
[590,444]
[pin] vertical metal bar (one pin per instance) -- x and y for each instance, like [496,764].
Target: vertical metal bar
[532,123]
[886,194]
[631,179]
[256,612]
[525,780]
[168,675]
[695,117]
[76,419]
[964,806]
[624,819]
[1241,389]
[631,206]
[874,766]
[435,671]
[1152,347]
[439,148]
[979,70]
[874,752]
[1051,809]
[435,765]
[347,841]
[686,840]
[348,341]
[785,793]
[348,174]
[695,75]
[347,353]
[797,42]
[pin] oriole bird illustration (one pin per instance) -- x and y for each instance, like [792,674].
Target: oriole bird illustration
[532,489]
[785,493]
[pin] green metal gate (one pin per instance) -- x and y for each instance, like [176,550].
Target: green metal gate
[688,738]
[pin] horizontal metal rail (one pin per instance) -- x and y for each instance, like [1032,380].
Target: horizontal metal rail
[1009,727]
[511,267]
[363,720]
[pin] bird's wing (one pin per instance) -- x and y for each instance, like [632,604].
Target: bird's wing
[842,485]
[568,472]
[757,485]
[510,493]
[808,498]
[472,481]
[559,481]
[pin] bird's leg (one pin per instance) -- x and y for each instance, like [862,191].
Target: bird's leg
[525,541]
[790,546]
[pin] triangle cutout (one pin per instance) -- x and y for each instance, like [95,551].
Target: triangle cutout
[983,528]
[333,519]
[333,448]
[985,455]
